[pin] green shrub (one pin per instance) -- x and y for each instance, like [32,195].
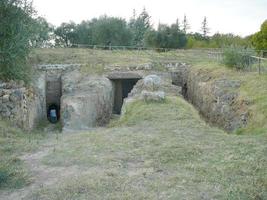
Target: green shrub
[16,32]
[238,58]
[259,39]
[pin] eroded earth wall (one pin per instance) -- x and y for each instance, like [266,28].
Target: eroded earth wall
[217,99]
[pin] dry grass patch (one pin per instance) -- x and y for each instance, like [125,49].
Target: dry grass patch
[160,151]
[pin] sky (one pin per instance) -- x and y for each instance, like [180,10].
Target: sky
[240,17]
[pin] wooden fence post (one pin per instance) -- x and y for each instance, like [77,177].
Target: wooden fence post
[259,64]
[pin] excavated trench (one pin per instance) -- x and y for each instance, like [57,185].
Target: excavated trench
[216,99]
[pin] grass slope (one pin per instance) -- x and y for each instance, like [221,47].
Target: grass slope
[159,151]
[13,143]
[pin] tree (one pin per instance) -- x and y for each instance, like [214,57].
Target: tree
[139,26]
[66,34]
[237,57]
[17,29]
[224,40]
[84,33]
[185,25]
[176,25]
[166,37]
[204,28]
[196,40]
[259,39]
[43,33]
[98,31]
[110,31]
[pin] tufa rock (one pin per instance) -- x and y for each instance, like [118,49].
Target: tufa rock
[88,103]
[152,82]
[156,96]
[15,96]
[5,98]
[1,93]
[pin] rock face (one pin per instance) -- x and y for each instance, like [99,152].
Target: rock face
[156,87]
[152,88]
[179,73]
[115,75]
[152,82]
[149,89]
[86,102]
[21,105]
[153,96]
[216,99]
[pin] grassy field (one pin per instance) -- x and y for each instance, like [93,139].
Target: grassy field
[156,151]
[13,144]
[123,58]
[99,58]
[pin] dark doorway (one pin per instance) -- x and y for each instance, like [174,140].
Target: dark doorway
[53,95]
[184,91]
[122,88]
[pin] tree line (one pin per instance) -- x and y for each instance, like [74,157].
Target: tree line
[139,32]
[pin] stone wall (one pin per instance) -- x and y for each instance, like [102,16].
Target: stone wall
[20,105]
[217,99]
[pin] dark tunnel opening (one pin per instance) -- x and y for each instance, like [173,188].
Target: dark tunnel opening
[184,88]
[53,96]
[122,89]
[184,91]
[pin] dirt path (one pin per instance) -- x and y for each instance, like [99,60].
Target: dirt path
[41,175]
